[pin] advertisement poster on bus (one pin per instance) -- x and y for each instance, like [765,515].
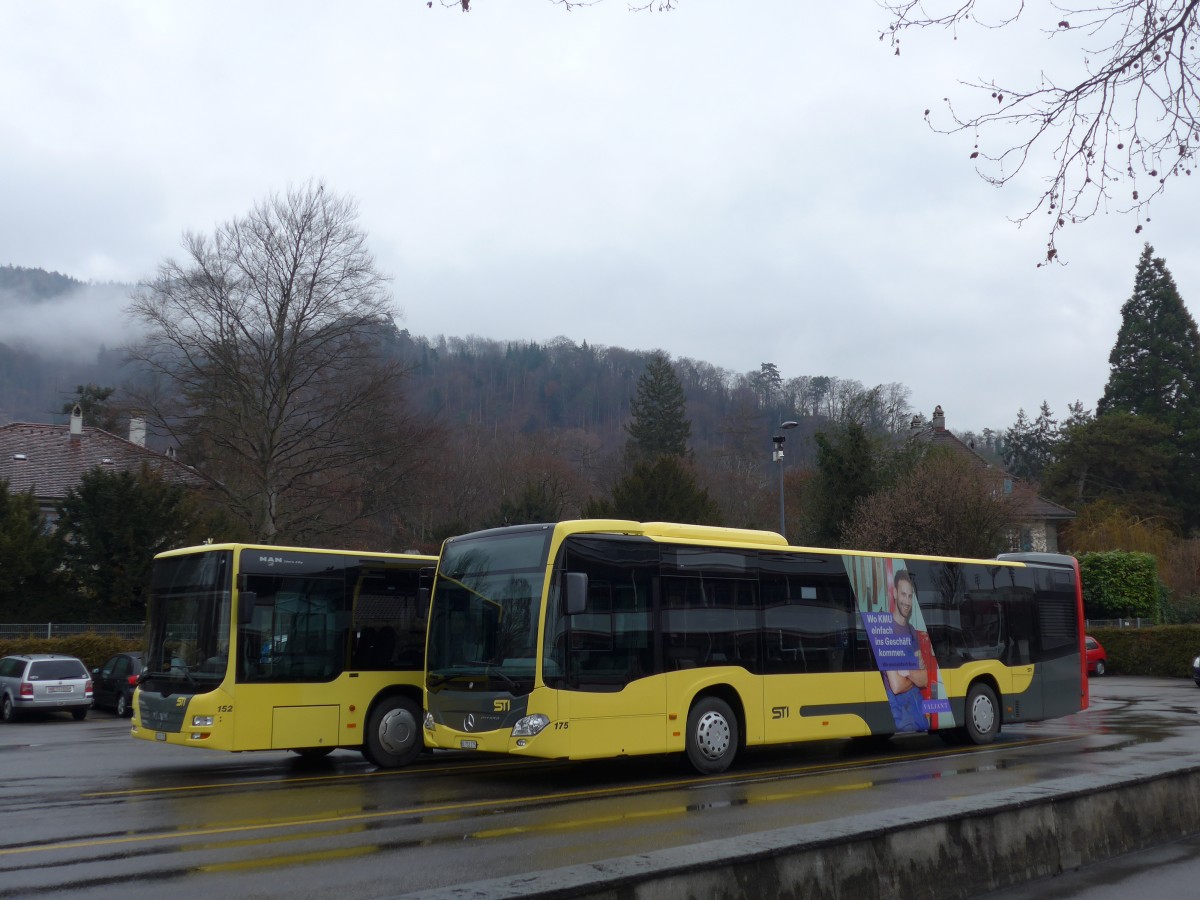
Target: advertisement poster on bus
[891,613]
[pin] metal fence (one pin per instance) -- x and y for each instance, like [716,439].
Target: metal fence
[1120,623]
[56,629]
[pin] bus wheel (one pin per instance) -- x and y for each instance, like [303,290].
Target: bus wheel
[712,736]
[393,735]
[983,714]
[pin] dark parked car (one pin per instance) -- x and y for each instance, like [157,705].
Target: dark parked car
[115,681]
[1196,671]
[46,682]
[1097,659]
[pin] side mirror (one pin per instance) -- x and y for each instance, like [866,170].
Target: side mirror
[575,593]
[425,586]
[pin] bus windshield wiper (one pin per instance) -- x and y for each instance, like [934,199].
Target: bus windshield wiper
[509,683]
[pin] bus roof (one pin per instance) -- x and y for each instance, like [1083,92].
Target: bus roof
[671,532]
[204,548]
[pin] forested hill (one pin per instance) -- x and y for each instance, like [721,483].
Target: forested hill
[519,387]
[32,285]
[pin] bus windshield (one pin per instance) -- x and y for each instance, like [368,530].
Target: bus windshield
[187,645]
[484,620]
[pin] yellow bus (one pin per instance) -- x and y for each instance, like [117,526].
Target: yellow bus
[591,639]
[255,647]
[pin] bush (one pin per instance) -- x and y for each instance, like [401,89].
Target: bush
[1116,583]
[1165,651]
[94,649]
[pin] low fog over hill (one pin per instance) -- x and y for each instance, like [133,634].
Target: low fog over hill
[49,313]
[55,333]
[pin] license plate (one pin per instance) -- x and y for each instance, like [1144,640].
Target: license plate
[59,689]
[160,735]
[468,745]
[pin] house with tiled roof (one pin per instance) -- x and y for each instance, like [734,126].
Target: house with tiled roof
[1042,518]
[51,459]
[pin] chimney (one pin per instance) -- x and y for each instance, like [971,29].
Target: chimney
[76,422]
[939,419]
[137,430]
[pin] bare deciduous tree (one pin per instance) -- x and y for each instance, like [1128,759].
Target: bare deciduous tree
[268,352]
[945,506]
[1118,131]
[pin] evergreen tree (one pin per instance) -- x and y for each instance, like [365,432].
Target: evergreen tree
[1076,416]
[657,490]
[1029,446]
[1121,458]
[659,426]
[1155,363]
[848,468]
[110,526]
[1155,374]
[536,502]
[93,400]
[768,384]
[28,563]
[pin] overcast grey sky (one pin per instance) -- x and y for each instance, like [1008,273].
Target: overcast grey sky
[737,182]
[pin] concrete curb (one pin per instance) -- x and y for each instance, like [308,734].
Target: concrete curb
[943,850]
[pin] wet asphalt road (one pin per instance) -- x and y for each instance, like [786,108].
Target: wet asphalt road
[93,813]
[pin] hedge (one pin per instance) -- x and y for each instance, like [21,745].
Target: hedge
[94,649]
[1165,651]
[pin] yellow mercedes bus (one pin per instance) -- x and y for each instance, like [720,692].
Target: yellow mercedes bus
[254,647]
[590,639]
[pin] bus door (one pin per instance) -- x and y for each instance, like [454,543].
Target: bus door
[609,699]
[290,654]
[815,685]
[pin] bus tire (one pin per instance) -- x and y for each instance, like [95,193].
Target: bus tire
[982,713]
[712,736]
[393,737]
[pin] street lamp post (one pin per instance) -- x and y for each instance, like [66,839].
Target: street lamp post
[777,457]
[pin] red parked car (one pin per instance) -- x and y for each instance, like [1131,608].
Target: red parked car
[1097,659]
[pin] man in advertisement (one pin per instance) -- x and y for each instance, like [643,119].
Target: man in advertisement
[901,662]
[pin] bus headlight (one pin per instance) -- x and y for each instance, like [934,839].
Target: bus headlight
[202,721]
[528,726]
[429,723]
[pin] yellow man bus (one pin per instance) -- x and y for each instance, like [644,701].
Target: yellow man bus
[590,639]
[253,647]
